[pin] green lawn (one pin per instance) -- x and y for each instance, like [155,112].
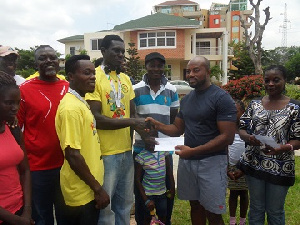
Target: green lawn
[181,213]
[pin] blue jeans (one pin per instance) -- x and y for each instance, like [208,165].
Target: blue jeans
[160,202]
[46,192]
[266,198]
[118,183]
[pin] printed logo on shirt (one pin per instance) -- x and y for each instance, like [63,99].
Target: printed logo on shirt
[124,88]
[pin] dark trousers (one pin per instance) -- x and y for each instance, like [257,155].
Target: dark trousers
[82,215]
[46,193]
[140,204]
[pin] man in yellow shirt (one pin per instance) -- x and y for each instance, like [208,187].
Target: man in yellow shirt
[82,172]
[113,107]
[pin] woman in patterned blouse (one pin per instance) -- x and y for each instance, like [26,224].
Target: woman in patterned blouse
[270,171]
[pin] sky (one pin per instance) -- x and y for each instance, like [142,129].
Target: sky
[27,23]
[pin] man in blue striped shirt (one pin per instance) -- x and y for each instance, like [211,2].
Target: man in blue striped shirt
[154,97]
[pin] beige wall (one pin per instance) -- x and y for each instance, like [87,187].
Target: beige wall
[79,45]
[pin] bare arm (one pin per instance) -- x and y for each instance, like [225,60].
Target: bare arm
[170,176]
[219,143]
[138,178]
[173,113]
[174,130]
[78,164]
[106,123]
[25,179]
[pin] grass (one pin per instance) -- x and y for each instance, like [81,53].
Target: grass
[181,212]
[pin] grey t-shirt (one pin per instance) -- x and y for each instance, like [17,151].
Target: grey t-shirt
[201,111]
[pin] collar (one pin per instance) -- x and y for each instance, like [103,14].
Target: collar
[163,80]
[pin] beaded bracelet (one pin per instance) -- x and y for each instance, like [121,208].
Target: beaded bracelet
[147,201]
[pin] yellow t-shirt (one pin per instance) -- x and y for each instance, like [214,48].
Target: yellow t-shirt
[113,141]
[74,127]
[36,74]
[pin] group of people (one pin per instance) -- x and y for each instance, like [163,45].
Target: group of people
[75,152]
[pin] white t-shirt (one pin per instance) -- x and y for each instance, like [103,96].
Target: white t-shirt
[19,79]
[236,150]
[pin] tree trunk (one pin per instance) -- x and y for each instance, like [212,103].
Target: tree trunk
[254,44]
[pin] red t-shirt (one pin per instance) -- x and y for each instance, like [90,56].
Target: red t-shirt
[11,154]
[39,102]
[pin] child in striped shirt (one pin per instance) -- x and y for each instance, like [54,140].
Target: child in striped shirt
[151,171]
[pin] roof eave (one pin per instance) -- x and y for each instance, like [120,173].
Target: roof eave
[161,28]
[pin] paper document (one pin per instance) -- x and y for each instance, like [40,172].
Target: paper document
[168,144]
[267,141]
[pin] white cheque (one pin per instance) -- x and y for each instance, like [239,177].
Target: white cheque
[168,144]
[267,141]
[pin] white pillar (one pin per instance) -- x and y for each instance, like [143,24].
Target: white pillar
[225,57]
[194,44]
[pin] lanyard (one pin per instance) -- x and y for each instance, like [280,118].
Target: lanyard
[117,95]
[73,92]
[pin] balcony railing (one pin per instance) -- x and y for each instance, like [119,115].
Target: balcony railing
[212,51]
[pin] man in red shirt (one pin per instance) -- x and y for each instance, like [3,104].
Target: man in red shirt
[40,98]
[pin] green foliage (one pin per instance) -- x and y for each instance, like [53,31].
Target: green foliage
[26,59]
[292,91]
[245,88]
[216,72]
[279,55]
[25,73]
[62,72]
[133,65]
[293,66]
[67,56]
[241,61]
[83,52]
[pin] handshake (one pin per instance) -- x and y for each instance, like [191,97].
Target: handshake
[147,130]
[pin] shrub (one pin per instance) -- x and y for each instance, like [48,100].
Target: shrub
[293,91]
[25,73]
[245,88]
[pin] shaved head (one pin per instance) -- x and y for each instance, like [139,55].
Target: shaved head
[200,60]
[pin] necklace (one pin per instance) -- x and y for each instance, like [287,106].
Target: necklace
[117,95]
[73,92]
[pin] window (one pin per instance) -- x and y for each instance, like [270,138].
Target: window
[72,50]
[166,9]
[160,39]
[235,29]
[188,8]
[216,21]
[96,43]
[235,18]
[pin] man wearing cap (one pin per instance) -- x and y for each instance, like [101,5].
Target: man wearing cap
[154,97]
[8,62]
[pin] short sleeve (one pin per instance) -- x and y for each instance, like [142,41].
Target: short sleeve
[295,124]
[175,100]
[70,133]
[139,159]
[130,88]
[226,108]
